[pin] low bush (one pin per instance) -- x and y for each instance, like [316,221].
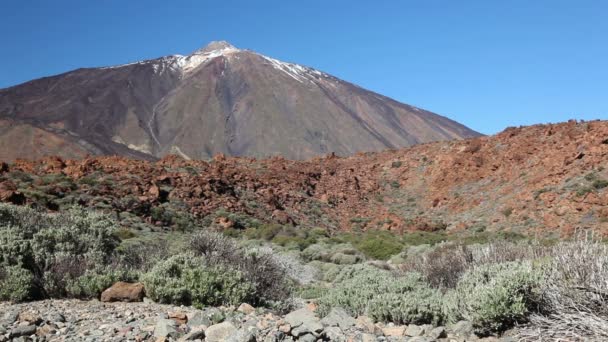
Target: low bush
[94,281]
[260,268]
[380,294]
[189,280]
[574,293]
[34,240]
[15,284]
[442,266]
[379,245]
[496,296]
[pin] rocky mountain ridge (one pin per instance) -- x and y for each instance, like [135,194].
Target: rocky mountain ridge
[543,179]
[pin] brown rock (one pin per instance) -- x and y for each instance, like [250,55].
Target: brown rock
[178,316]
[285,328]
[30,317]
[246,308]
[124,292]
[9,193]
[154,191]
[396,331]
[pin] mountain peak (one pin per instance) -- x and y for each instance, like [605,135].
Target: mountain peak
[215,46]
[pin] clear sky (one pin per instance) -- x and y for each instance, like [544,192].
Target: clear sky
[488,64]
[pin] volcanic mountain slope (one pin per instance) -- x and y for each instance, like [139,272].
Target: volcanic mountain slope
[219,99]
[545,179]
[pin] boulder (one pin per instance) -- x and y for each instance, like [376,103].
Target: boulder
[246,309]
[178,316]
[124,292]
[22,330]
[198,319]
[365,324]
[334,334]
[165,328]
[338,317]
[220,332]
[414,330]
[30,317]
[437,333]
[307,338]
[193,335]
[303,321]
[461,329]
[394,331]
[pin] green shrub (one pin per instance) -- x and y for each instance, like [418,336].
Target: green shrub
[186,279]
[496,296]
[342,254]
[93,282]
[379,245]
[35,240]
[327,271]
[423,238]
[124,234]
[599,184]
[312,291]
[367,290]
[261,268]
[15,284]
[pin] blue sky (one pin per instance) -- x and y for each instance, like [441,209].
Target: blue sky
[487,64]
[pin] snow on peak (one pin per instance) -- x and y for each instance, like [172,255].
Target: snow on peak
[185,64]
[198,57]
[298,72]
[215,46]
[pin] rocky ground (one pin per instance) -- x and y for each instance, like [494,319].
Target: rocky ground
[549,178]
[73,320]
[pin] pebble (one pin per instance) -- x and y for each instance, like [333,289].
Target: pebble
[75,320]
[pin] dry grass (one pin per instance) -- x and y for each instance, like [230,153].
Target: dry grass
[575,294]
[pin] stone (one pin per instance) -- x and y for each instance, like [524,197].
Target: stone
[334,334]
[10,317]
[368,337]
[30,317]
[178,316]
[47,329]
[414,330]
[194,335]
[198,319]
[246,309]
[338,317]
[307,338]
[303,321]
[242,335]
[461,328]
[165,328]
[420,339]
[23,330]
[56,318]
[285,328]
[394,331]
[437,333]
[220,332]
[365,324]
[275,336]
[215,315]
[124,292]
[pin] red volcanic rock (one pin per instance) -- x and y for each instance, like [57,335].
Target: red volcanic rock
[124,292]
[9,193]
[445,185]
[154,192]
